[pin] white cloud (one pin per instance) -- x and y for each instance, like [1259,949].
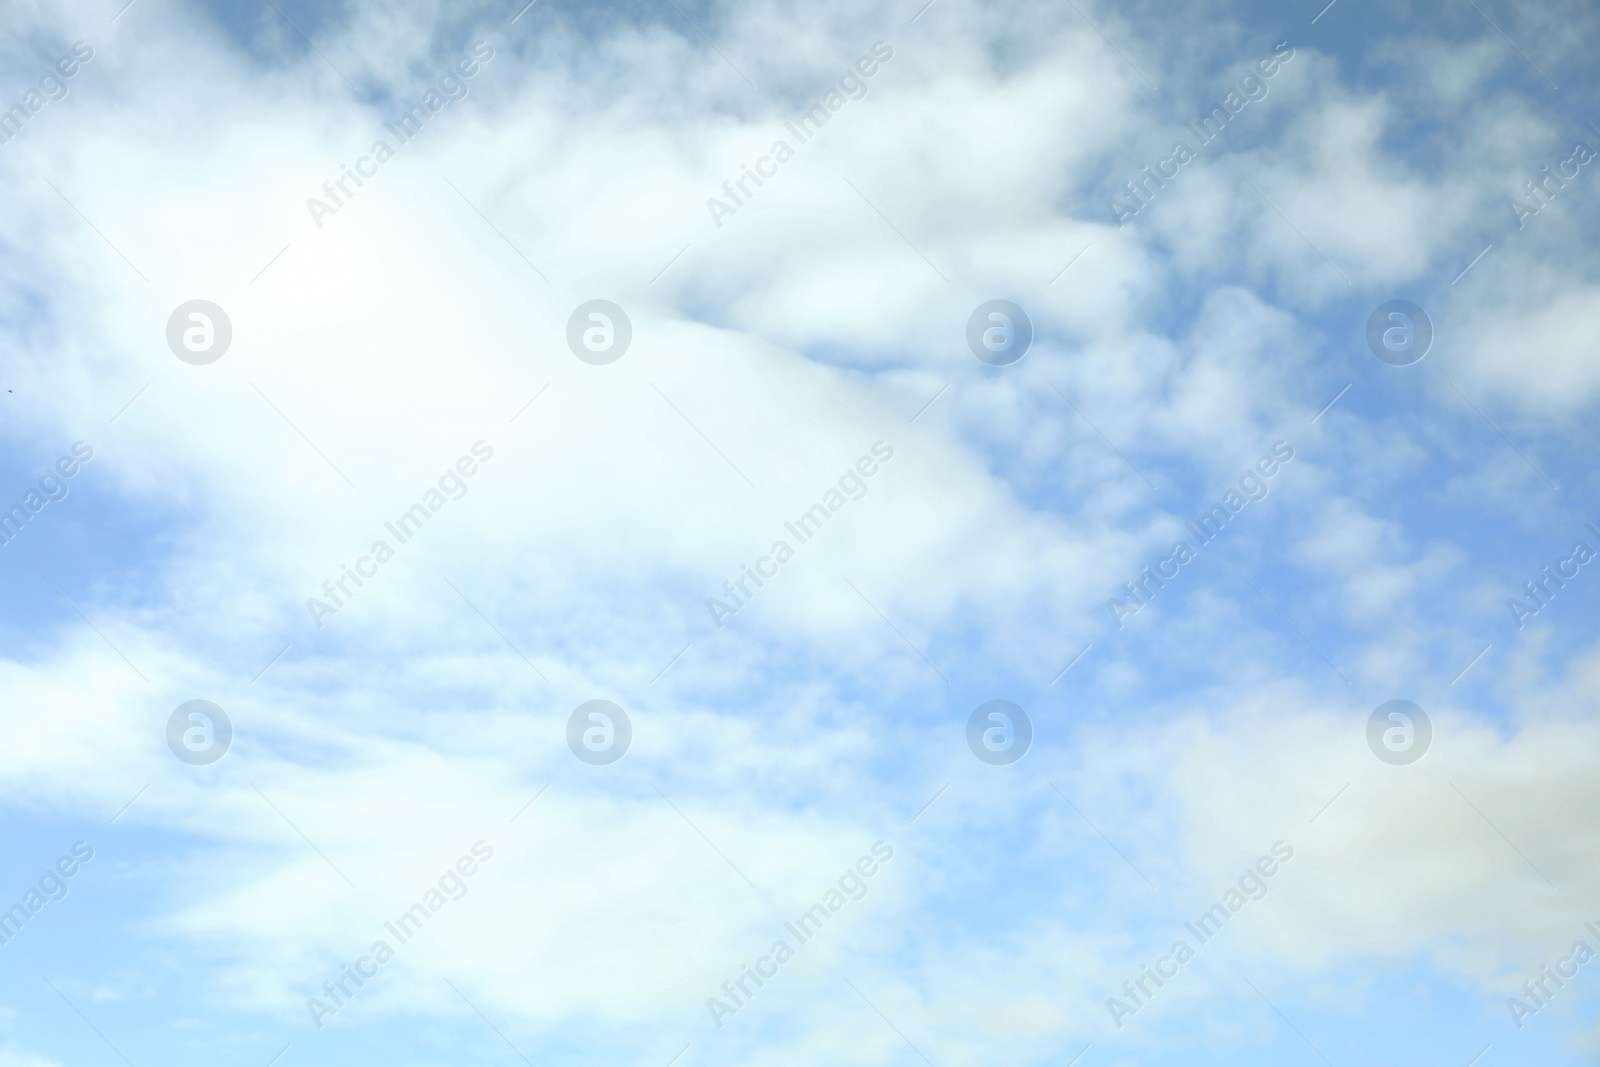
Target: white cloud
[778,349]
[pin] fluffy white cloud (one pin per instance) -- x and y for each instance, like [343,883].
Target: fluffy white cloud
[374,346]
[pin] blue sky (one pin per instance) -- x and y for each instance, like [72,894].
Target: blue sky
[381,335]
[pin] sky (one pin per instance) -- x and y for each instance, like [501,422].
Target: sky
[686,534]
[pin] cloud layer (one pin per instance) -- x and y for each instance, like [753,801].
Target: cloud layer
[384,326]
